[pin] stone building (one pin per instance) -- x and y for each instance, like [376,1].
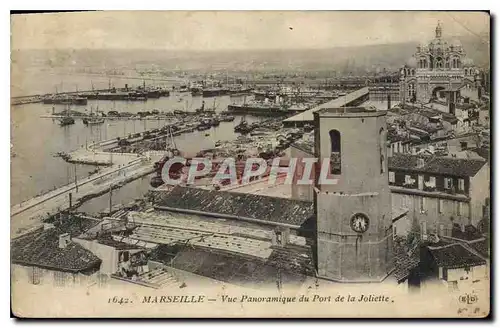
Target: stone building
[440,71]
[439,191]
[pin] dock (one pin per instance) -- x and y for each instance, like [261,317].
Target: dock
[124,168]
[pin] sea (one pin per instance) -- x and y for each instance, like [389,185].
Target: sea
[35,141]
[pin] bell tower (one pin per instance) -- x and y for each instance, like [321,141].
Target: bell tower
[353,208]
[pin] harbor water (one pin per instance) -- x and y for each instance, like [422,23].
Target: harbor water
[35,141]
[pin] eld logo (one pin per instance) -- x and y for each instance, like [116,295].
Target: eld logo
[468,298]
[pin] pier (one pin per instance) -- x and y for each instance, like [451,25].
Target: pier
[124,168]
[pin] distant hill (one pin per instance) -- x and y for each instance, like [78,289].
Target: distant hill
[343,60]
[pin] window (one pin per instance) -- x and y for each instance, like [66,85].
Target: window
[409,181]
[440,206]
[459,208]
[422,204]
[381,150]
[335,157]
[431,183]
[448,183]
[461,184]
[392,177]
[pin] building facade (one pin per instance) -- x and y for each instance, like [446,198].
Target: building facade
[440,71]
[439,192]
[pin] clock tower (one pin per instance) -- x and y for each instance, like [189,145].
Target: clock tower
[353,207]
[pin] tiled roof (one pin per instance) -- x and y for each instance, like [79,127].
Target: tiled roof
[454,256]
[439,165]
[42,250]
[482,247]
[405,260]
[470,232]
[239,270]
[265,208]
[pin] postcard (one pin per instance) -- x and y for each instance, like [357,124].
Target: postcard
[250,164]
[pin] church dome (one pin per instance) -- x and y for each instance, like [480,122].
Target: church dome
[438,44]
[411,62]
[456,43]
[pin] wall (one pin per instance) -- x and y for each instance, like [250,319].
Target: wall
[484,117]
[432,216]
[40,276]
[479,191]
[463,276]
[301,192]
[107,254]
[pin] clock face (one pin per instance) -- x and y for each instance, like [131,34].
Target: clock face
[359,222]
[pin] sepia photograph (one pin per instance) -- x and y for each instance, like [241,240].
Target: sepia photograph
[250,164]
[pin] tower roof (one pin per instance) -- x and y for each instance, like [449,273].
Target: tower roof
[439,30]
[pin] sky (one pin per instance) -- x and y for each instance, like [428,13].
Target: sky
[225,30]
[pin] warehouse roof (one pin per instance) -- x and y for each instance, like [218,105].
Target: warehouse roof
[335,103]
[237,205]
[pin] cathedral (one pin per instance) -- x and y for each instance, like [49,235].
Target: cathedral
[440,71]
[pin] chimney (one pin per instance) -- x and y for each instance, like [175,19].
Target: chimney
[64,240]
[420,163]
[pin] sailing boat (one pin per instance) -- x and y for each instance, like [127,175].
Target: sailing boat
[66,120]
[93,120]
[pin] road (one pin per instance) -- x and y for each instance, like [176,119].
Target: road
[30,213]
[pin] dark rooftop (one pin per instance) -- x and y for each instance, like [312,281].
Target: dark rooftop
[405,260]
[119,245]
[42,250]
[470,232]
[349,110]
[437,165]
[482,247]
[291,265]
[454,256]
[305,146]
[239,205]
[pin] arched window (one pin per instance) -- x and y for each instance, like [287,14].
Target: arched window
[381,149]
[439,63]
[411,89]
[335,156]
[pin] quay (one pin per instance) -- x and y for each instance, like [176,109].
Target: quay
[125,168]
[21,100]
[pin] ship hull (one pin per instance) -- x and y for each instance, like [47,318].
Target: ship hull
[116,96]
[69,101]
[215,93]
[256,111]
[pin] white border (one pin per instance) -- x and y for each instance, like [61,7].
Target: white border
[198,5]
